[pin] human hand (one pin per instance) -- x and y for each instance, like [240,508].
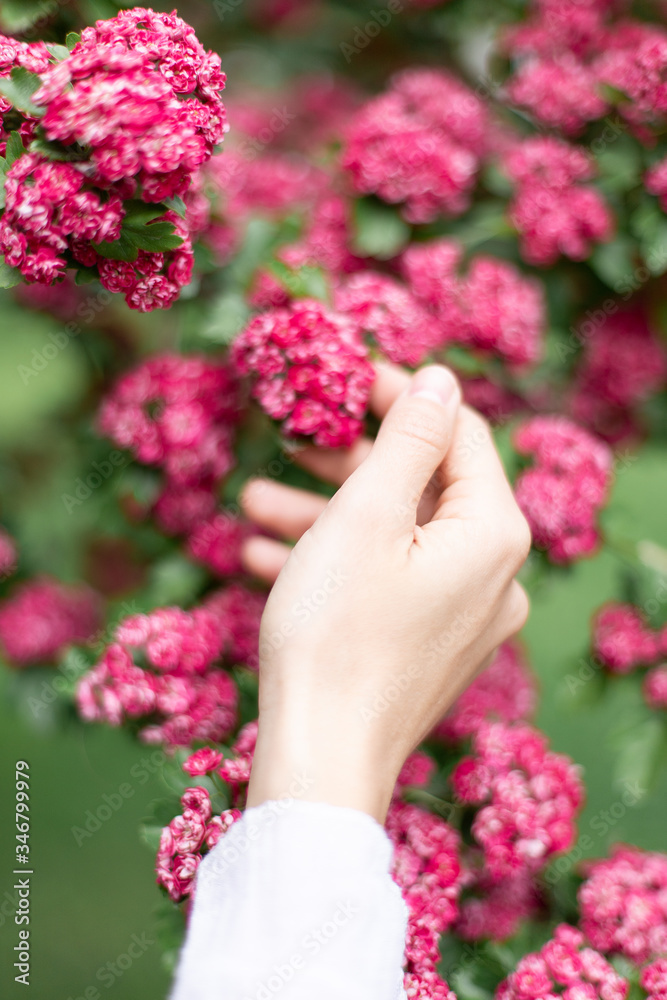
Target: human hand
[395,593]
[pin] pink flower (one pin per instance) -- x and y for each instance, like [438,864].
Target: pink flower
[310,370]
[562,494]
[553,212]
[623,364]
[504,692]
[189,699]
[419,144]
[42,617]
[564,967]
[655,687]
[382,308]
[623,904]
[529,798]
[238,612]
[217,542]
[427,869]
[622,640]
[178,412]
[202,761]
[561,91]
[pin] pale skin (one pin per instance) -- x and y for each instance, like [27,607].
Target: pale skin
[396,593]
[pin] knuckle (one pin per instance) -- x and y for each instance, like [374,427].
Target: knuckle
[521,539]
[422,426]
[519,609]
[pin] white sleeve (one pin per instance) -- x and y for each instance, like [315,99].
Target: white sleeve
[296,902]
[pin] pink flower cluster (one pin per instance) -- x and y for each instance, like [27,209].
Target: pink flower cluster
[560,91]
[654,979]
[565,966]
[310,370]
[622,640]
[569,62]
[427,869]
[50,210]
[216,541]
[419,144]
[493,308]
[527,796]
[179,413]
[154,280]
[655,687]
[179,693]
[623,904]
[42,617]
[235,769]
[493,908]
[187,839]
[566,487]
[36,58]
[552,210]
[143,95]
[239,613]
[381,307]
[504,692]
[623,364]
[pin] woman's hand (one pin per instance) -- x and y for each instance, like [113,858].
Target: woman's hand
[395,593]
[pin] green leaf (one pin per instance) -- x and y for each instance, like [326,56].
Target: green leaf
[15,148]
[614,263]
[56,151]
[620,165]
[9,276]
[379,231]
[641,751]
[19,88]
[59,52]
[138,213]
[124,248]
[72,40]
[176,205]
[86,275]
[228,316]
[156,237]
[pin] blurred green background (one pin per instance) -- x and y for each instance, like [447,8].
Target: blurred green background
[90,898]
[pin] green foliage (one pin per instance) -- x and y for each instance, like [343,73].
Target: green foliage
[379,230]
[140,232]
[19,89]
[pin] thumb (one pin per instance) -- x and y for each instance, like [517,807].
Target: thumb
[412,442]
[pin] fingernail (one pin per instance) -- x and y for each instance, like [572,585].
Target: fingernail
[435,383]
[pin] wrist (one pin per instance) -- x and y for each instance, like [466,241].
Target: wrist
[327,758]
